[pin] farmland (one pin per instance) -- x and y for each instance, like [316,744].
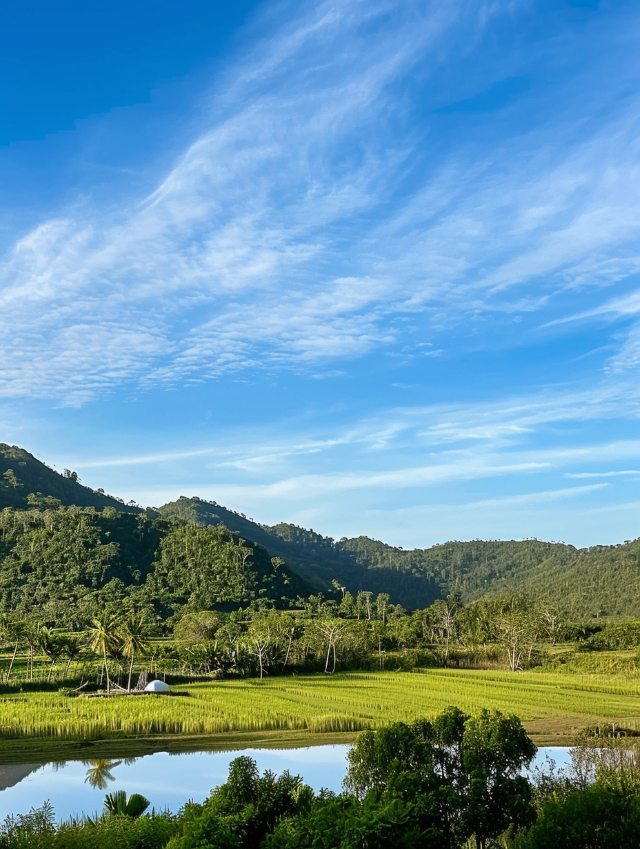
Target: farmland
[552,705]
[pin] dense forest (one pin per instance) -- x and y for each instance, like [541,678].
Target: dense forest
[582,584]
[69,563]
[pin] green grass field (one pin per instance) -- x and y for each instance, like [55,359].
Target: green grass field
[552,705]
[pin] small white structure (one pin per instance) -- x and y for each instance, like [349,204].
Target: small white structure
[156,687]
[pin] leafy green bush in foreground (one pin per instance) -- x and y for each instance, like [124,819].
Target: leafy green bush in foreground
[454,783]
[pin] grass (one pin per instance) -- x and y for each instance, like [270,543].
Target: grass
[552,704]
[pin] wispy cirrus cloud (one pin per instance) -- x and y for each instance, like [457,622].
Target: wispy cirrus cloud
[319,205]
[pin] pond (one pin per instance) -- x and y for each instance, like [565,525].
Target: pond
[168,780]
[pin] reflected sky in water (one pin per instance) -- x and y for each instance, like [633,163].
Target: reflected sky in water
[169,780]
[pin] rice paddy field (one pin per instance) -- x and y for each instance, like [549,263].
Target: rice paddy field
[553,706]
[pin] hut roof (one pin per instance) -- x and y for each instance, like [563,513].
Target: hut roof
[156,687]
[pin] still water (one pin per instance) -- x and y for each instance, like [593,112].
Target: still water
[169,780]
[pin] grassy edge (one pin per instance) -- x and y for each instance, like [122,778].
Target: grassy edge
[38,750]
[550,731]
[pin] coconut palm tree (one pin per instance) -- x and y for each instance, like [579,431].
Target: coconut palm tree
[104,637]
[72,648]
[11,630]
[134,640]
[117,803]
[52,645]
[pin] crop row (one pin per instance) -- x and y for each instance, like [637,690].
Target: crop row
[348,702]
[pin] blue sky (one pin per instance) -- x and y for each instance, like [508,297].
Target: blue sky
[366,266]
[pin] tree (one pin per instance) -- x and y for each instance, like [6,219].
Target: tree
[443,614]
[197,627]
[9,480]
[52,645]
[462,772]
[496,749]
[116,803]
[12,629]
[99,772]
[260,640]
[104,638]
[71,647]
[332,629]
[516,625]
[134,640]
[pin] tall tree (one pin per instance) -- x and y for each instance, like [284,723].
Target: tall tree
[134,640]
[104,637]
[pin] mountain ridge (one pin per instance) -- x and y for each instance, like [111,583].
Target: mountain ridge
[583,583]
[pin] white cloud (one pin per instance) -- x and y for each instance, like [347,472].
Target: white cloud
[278,240]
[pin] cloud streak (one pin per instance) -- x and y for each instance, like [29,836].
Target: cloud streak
[293,231]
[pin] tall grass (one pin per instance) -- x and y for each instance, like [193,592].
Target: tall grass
[345,702]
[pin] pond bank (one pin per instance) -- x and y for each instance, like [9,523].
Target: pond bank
[44,750]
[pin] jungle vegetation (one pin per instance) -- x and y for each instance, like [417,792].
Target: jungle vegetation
[583,584]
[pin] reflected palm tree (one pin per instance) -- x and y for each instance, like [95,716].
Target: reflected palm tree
[99,772]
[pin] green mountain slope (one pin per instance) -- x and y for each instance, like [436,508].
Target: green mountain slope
[69,563]
[22,474]
[318,560]
[580,583]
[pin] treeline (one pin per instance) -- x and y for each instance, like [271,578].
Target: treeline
[315,634]
[457,781]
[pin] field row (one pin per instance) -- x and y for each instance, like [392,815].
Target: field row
[346,702]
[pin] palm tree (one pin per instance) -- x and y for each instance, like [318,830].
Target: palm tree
[12,630]
[104,637]
[134,639]
[117,803]
[72,647]
[50,644]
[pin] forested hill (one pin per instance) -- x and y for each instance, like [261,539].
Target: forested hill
[69,564]
[319,560]
[581,583]
[27,482]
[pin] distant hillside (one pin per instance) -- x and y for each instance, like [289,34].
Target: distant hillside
[580,583]
[70,563]
[601,581]
[317,559]
[21,475]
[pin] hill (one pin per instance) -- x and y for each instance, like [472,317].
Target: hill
[602,581]
[317,559]
[71,563]
[23,475]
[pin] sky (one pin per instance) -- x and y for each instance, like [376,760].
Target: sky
[367,266]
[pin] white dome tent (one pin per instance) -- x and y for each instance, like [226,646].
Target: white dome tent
[157,687]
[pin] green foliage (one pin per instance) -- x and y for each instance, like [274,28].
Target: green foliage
[619,635]
[602,581]
[241,812]
[70,564]
[578,583]
[117,804]
[27,482]
[464,771]
[587,818]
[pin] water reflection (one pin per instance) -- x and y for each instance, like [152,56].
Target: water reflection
[99,773]
[168,780]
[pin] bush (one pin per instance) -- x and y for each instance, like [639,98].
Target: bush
[591,818]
